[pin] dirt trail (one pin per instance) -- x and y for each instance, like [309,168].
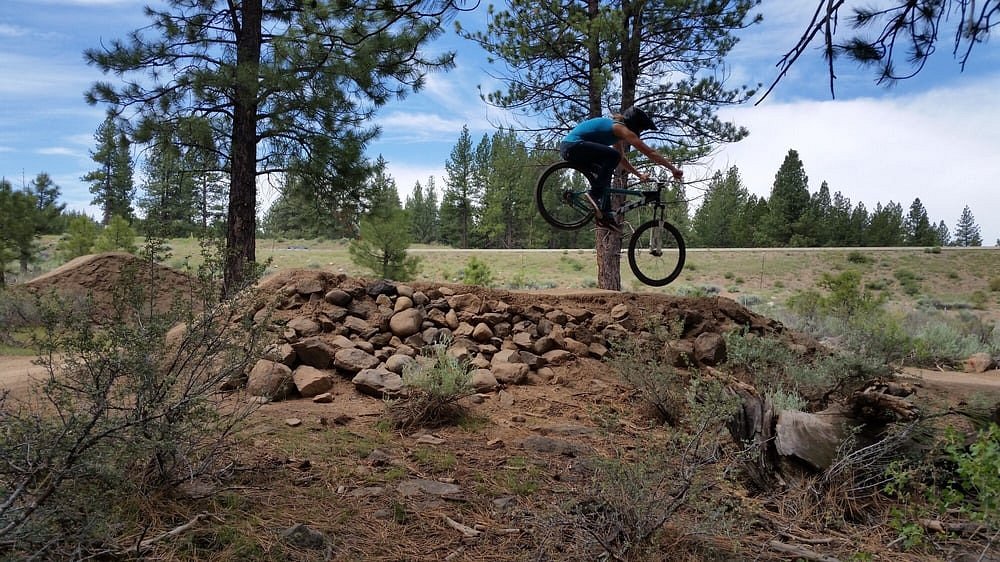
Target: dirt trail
[18,373]
[949,380]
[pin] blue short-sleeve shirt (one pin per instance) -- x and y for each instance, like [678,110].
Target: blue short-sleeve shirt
[596,130]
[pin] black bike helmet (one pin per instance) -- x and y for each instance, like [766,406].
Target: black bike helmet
[637,121]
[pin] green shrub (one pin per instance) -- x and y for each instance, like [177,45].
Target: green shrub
[909,281]
[572,264]
[994,284]
[782,400]
[116,236]
[843,299]
[775,369]
[477,272]
[855,256]
[978,471]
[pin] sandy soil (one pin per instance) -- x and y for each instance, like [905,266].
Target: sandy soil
[17,374]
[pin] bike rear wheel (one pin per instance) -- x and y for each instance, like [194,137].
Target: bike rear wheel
[559,196]
[656,253]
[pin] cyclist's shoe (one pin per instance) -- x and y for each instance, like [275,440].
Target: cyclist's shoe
[598,214]
[610,223]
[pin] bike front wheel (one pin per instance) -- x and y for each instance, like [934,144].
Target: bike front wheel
[656,253]
[559,196]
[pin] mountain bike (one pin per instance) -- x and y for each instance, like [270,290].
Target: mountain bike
[656,248]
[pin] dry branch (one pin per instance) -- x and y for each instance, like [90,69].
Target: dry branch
[467,531]
[801,552]
[148,543]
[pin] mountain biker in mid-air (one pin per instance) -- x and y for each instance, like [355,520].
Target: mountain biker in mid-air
[601,141]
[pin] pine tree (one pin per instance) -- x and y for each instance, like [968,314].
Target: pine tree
[117,236]
[460,200]
[942,235]
[841,231]
[885,226]
[111,183]
[168,199]
[713,225]
[78,240]
[286,87]
[966,230]
[422,208]
[46,193]
[573,59]
[298,213]
[384,233]
[860,221]
[919,231]
[18,228]
[508,198]
[788,203]
[816,224]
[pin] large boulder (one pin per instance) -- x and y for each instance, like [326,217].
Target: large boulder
[270,379]
[710,349]
[354,360]
[379,382]
[311,381]
[314,352]
[406,323]
[978,363]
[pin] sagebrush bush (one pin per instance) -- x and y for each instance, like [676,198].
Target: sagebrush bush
[433,391]
[647,366]
[774,368]
[630,495]
[125,413]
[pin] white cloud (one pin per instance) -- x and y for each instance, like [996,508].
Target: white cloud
[40,77]
[940,146]
[406,126]
[12,31]
[407,175]
[58,151]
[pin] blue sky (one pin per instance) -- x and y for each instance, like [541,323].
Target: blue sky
[936,136]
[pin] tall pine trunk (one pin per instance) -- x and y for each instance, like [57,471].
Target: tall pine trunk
[609,245]
[241,237]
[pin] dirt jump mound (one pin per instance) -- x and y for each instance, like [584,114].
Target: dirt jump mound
[100,276]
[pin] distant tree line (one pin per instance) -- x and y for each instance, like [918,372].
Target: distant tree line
[486,201]
[731,216]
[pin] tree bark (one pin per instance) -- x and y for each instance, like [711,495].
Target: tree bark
[609,253]
[241,234]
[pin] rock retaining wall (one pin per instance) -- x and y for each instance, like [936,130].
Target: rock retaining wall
[328,326]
